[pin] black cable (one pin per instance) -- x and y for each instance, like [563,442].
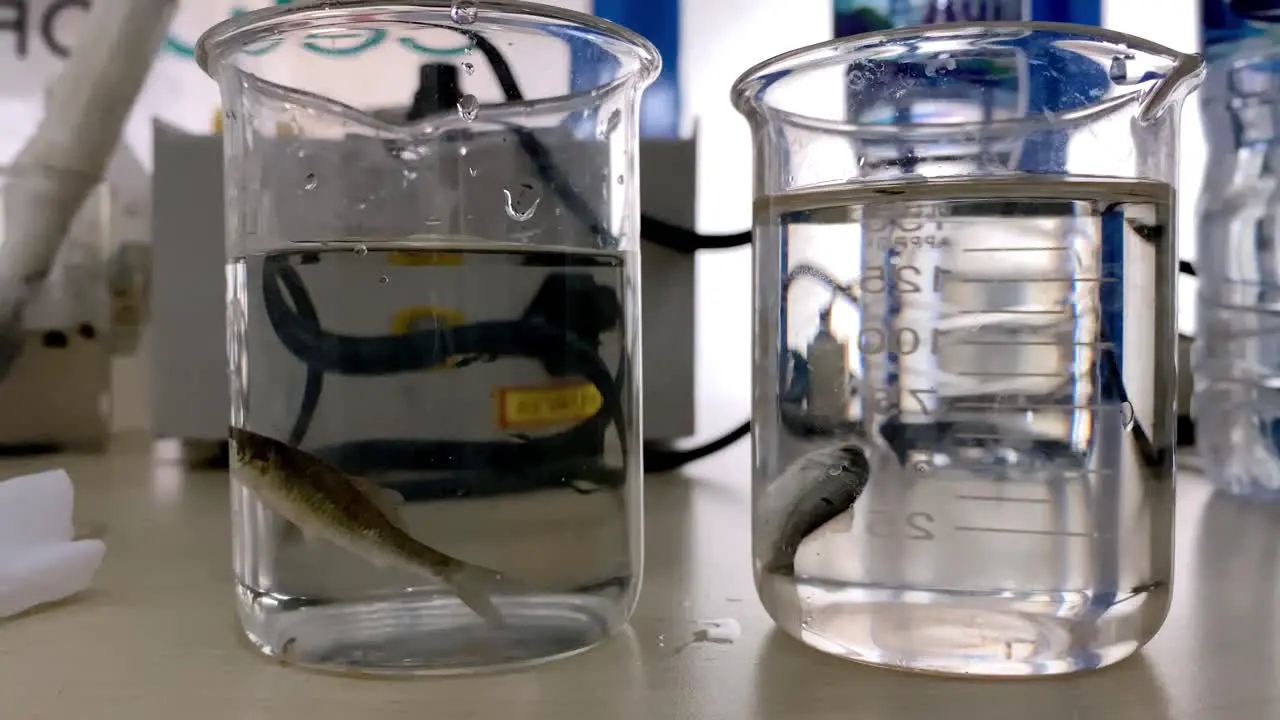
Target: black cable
[1186,424]
[475,468]
[661,459]
[308,318]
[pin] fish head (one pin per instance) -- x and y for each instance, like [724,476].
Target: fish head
[851,458]
[843,460]
[250,448]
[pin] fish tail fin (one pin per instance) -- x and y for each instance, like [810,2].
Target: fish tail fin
[475,586]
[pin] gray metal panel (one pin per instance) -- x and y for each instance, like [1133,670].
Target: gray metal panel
[668,188]
[188,299]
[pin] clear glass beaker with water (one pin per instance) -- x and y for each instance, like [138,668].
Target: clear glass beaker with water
[965,344]
[432,330]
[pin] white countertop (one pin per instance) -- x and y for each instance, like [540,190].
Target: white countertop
[156,637]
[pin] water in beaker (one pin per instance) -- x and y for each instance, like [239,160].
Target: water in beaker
[432,331]
[965,383]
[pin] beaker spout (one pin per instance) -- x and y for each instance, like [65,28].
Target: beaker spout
[1184,75]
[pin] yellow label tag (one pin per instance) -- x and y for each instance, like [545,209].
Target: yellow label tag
[424,317]
[529,407]
[425,257]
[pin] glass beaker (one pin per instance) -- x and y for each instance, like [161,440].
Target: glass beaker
[433,330]
[965,343]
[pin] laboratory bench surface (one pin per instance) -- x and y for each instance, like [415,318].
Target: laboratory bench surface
[156,636]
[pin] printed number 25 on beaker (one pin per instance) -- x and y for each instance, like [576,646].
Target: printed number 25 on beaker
[884,524]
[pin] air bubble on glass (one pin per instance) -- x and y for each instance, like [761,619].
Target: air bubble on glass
[310,182]
[521,204]
[468,108]
[463,12]
[362,250]
[409,151]
[468,68]
[943,62]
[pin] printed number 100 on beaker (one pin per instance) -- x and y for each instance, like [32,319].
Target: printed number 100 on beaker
[1007,337]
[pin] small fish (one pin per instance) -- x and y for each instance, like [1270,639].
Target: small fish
[835,478]
[353,513]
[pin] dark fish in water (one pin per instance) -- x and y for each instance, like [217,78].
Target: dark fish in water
[835,478]
[351,512]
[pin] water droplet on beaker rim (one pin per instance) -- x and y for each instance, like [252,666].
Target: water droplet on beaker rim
[361,250]
[310,182]
[523,203]
[463,12]
[468,108]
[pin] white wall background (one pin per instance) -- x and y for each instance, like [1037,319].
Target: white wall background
[720,39]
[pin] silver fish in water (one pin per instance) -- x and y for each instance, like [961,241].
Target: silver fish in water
[353,513]
[834,479]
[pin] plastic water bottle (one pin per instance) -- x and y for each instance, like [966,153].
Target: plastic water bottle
[859,16]
[1236,362]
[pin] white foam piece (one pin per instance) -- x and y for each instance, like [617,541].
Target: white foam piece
[39,561]
[32,576]
[36,509]
[723,630]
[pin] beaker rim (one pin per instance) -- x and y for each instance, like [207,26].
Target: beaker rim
[748,90]
[225,38]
